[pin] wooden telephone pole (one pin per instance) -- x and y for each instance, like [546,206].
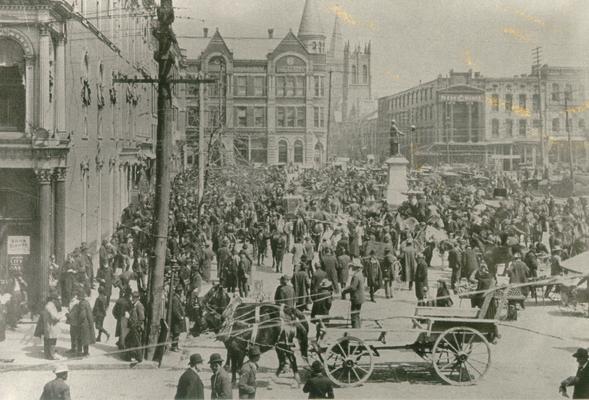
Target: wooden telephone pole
[165,59]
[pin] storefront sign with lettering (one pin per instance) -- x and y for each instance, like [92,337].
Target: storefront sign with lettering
[462,97]
[18,245]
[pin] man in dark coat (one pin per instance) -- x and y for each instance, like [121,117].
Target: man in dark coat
[178,318]
[373,274]
[421,279]
[190,386]
[318,385]
[518,273]
[343,262]
[321,307]
[356,291]
[136,326]
[221,388]
[83,319]
[301,284]
[410,262]
[455,264]
[285,293]
[57,388]
[318,276]
[388,272]
[247,376]
[581,380]
[329,264]
[223,259]
[120,311]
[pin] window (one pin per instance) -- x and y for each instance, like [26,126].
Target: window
[319,86]
[568,92]
[259,150]
[301,117]
[555,92]
[318,117]
[241,116]
[290,86]
[300,86]
[536,124]
[259,117]
[495,127]
[290,117]
[259,86]
[581,123]
[364,74]
[555,125]
[536,103]
[354,75]
[495,102]
[522,101]
[280,117]
[280,86]
[192,116]
[12,89]
[509,127]
[241,86]
[298,152]
[523,127]
[283,152]
[508,102]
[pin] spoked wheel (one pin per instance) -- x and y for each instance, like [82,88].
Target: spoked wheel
[348,362]
[461,356]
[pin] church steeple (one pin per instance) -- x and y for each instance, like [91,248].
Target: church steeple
[336,46]
[311,29]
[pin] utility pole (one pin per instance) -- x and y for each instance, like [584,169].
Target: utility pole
[328,119]
[411,165]
[537,54]
[165,60]
[568,129]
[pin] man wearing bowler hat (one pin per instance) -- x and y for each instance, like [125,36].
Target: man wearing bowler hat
[356,291]
[318,385]
[190,385]
[220,382]
[579,381]
[57,388]
[247,377]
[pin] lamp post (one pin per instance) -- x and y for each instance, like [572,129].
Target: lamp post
[413,128]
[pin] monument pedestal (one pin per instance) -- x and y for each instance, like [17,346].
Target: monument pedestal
[397,183]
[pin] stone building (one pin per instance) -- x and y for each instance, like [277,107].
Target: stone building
[74,146]
[272,97]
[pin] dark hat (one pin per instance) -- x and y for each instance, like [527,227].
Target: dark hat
[304,257]
[317,366]
[581,353]
[195,359]
[215,358]
[84,246]
[179,289]
[254,351]
[135,295]
[284,277]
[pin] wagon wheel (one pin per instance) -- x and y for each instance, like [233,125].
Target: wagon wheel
[461,356]
[348,362]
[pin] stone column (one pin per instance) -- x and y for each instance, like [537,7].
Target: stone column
[30,94]
[60,100]
[44,180]
[44,105]
[451,121]
[59,226]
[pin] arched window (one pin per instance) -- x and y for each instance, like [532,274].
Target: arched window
[364,74]
[282,152]
[298,152]
[12,88]
[354,74]
[318,154]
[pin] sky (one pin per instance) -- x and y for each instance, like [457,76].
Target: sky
[416,40]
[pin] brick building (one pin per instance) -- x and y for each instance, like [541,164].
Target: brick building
[466,117]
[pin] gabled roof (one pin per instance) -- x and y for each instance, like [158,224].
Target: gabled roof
[242,48]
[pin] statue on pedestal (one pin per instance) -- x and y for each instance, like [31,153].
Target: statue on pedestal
[394,134]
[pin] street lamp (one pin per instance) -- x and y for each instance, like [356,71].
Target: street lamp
[413,128]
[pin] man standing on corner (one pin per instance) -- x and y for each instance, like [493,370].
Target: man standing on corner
[190,385]
[57,388]
[220,380]
[356,290]
[247,378]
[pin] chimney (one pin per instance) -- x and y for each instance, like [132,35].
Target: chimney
[271,33]
[205,32]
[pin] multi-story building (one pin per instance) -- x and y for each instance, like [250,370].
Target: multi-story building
[272,96]
[465,117]
[74,145]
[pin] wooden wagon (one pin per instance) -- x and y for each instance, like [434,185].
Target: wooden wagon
[456,341]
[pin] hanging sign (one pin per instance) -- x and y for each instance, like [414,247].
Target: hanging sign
[18,245]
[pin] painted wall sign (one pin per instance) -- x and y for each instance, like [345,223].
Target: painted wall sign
[18,245]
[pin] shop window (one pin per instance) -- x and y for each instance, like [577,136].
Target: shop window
[283,152]
[298,151]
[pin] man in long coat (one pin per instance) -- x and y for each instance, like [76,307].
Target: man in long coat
[178,318]
[83,319]
[285,293]
[356,291]
[343,263]
[136,320]
[410,262]
[301,284]
[518,273]
[373,274]
[329,264]
[190,386]
[421,279]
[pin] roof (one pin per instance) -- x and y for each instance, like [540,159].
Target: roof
[243,48]
[311,21]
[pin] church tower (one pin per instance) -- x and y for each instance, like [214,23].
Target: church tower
[357,80]
[311,30]
[335,65]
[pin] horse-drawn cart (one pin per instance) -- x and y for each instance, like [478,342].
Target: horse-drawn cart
[456,341]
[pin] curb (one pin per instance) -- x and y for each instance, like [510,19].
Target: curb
[73,366]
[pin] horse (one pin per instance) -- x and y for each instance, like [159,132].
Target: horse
[266,325]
